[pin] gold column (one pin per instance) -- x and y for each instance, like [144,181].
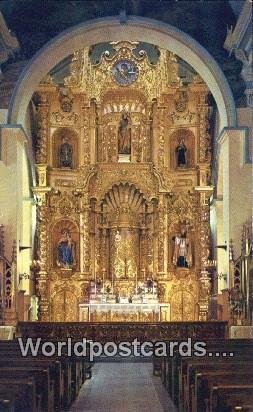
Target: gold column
[204,248]
[204,138]
[161,234]
[161,123]
[104,252]
[87,119]
[42,151]
[85,235]
[41,192]
[94,137]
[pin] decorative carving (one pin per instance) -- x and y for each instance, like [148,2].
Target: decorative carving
[121,211]
[182,208]
[107,175]
[204,138]
[95,80]
[204,228]
[61,119]
[77,69]
[183,119]
[42,129]
[66,100]
[181,102]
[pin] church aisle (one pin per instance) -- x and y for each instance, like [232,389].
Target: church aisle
[123,387]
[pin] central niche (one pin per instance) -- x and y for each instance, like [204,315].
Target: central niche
[123,212]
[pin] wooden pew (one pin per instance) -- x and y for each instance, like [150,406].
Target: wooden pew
[180,380]
[196,366]
[225,397]
[18,395]
[200,391]
[68,373]
[52,372]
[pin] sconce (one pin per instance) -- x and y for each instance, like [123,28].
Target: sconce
[25,276]
[221,276]
[20,248]
[224,247]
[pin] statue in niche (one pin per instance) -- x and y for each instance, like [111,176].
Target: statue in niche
[124,134]
[182,256]
[181,150]
[65,153]
[65,250]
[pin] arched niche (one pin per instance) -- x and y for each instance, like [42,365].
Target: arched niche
[113,106]
[62,136]
[121,221]
[65,233]
[187,136]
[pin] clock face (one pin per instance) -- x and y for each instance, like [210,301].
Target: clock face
[125,72]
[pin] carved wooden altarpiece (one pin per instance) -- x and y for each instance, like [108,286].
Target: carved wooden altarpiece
[113,216]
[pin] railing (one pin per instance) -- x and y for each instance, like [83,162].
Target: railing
[8,288]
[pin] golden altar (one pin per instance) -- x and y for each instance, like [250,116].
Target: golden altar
[124,312]
[123,188]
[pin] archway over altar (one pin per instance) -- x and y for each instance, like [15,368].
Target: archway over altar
[132,29]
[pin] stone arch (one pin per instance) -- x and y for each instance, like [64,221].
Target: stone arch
[111,29]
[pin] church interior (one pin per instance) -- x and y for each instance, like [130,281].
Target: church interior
[125,203]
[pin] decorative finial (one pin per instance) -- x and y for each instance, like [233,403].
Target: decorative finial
[231,251]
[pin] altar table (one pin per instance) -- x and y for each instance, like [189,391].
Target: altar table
[124,312]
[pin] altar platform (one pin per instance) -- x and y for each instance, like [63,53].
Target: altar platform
[124,312]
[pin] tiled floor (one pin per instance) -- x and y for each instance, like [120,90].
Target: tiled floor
[123,387]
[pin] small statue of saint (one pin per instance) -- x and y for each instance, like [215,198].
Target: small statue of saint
[65,154]
[65,250]
[182,256]
[181,150]
[124,134]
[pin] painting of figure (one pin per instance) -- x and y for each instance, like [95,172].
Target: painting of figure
[65,250]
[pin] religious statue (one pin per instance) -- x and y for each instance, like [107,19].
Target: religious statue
[182,256]
[181,150]
[65,250]
[124,134]
[65,153]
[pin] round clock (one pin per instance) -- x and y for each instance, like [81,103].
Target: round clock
[124,72]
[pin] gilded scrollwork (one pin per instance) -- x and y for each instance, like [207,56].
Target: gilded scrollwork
[182,207]
[204,138]
[109,174]
[42,129]
[124,210]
